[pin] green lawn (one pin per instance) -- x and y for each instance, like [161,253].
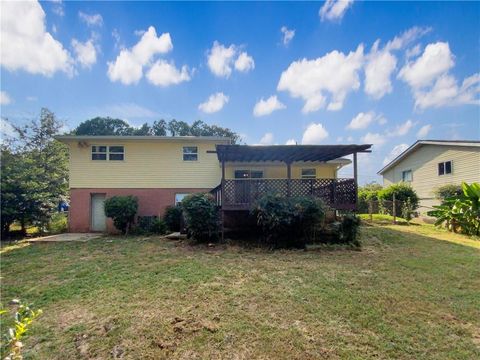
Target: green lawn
[413,292]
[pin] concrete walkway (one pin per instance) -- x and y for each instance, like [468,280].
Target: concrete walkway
[65,237]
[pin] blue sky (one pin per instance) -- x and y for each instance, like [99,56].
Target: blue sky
[339,72]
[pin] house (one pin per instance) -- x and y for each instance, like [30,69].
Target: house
[429,164]
[161,170]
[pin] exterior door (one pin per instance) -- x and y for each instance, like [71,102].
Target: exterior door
[99,220]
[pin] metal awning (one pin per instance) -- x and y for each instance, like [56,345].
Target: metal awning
[287,153]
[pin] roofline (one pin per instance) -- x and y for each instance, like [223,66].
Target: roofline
[64,138]
[419,143]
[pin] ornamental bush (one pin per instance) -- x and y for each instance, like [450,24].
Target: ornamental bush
[447,191]
[173,217]
[367,193]
[402,191]
[201,217]
[149,225]
[122,209]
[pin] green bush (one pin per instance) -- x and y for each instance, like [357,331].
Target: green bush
[149,225]
[367,193]
[287,222]
[201,217]
[58,223]
[173,217]
[402,191]
[122,209]
[347,230]
[447,191]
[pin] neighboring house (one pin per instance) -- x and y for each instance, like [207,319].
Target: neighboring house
[161,170]
[429,164]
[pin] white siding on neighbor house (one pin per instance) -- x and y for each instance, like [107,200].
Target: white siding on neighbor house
[424,165]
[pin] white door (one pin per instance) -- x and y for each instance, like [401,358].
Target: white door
[98,212]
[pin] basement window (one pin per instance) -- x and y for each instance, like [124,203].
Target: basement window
[190,153]
[309,173]
[444,168]
[407,176]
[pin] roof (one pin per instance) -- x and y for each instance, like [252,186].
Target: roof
[287,153]
[145,137]
[419,143]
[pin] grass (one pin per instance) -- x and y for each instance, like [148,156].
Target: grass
[412,292]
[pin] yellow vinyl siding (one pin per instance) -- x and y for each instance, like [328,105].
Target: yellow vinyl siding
[424,165]
[147,164]
[279,170]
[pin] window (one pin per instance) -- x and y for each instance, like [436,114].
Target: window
[407,175]
[115,153]
[102,152]
[190,153]
[444,168]
[248,174]
[179,198]
[99,152]
[309,173]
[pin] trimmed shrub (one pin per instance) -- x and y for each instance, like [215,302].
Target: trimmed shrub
[122,209]
[173,217]
[201,217]
[403,191]
[287,222]
[149,225]
[344,231]
[447,191]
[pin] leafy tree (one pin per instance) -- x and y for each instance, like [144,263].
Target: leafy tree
[178,128]
[144,130]
[103,126]
[159,128]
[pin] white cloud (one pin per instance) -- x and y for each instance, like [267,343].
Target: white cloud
[287,35]
[214,103]
[424,130]
[374,138]
[163,73]
[291,142]
[128,66]
[363,120]
[244,63]
[402,129]
[91,19]
[220,59]
[86,54]
[407,37]
[266,107]
[397,150]
[31,98]
[5,99]
[58,8]
[314,134]
[335,73]
[26,45]
[124,111]
[334,10]
[116,39]
[378,70]
[267,139]
[413,52]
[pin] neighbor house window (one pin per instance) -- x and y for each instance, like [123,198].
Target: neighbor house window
[190,153]
[99,152]
[309,173]
[407,175]
[445,168]
[248,174]
[102,152]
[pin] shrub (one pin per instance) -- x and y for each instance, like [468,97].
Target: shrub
[407,210]
[173,217]
[348,230]
[149,225]
[58,223]
[201,217]
[402,192]
[367,193]
[447,191]
[287,222]
[122,209]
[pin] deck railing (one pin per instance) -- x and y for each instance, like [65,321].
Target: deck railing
[241,194]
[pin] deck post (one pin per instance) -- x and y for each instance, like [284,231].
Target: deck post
[222,197]
[355,178]
[289,178]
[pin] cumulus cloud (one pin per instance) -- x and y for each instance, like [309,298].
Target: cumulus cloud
[291,142]
[374,138]
[334,74]
[26,45]
[163,73]
[214,103]
[266,107]
[363,120]
[397,150]
[85,53]
[5,99]
[402,129]
[267,139]
[221,60]
[314,134]
[333,10]
[287,35]
[424,130]
[91,19]
[129,64]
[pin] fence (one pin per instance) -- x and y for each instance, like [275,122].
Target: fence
[394,208]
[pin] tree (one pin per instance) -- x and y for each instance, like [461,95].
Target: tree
[144,130]
[159,128]
[103,126]
[178,128]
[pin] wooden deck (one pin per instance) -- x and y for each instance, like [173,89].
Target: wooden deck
[241,194]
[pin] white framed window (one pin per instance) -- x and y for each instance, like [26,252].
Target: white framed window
[103,152]
[179,198]
[444,168]
[190,153]
[309,173]
[407,176]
